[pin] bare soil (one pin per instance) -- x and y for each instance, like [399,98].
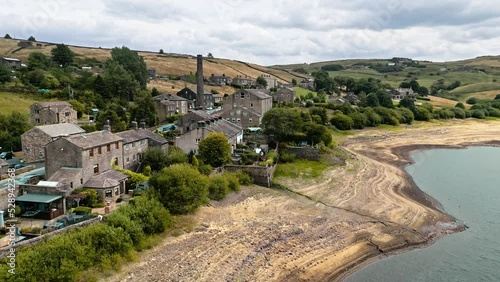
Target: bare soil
[317,230]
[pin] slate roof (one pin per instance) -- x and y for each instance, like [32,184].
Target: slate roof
[133,135]
[97,138]
[258,93]
[56,104]
[107,179]
[60,129]
[169,97]
[223,126]
[66,174]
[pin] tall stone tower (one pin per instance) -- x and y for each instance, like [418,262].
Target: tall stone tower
[200,103]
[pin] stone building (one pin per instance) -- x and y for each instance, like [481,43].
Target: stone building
[198,125]
[34,140]
[400,93]
[220,80]
[136,141]
[284,95]
[244,82]
[247,107]
[11,63]
[52,112]
[271,81]
[191,95]
[168,105]
[85,160]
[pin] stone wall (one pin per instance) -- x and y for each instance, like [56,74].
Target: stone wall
[261,175]
[306,153]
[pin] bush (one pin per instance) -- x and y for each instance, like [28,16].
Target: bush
[285,157]
[472,101]
[479,114]
[460,105]
[459,112]
[243,178]
[82,210]
[233,181]
[205,169]
[342,122]
[372,118]
[407,115]
[422,114]
[218,187]
[359,120]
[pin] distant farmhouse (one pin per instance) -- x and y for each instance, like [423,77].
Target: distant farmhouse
[244,82]
[52,112]
[246,107]
[198,124]
[219,80]
[284,95]
[34,140]
[11,63]
[400,93]
[308,84]
[272,82]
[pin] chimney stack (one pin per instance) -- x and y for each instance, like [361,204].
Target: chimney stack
[107,126]
[199,82]
[142,124]
[134,124]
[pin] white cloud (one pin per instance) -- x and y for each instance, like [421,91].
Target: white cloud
[264,31]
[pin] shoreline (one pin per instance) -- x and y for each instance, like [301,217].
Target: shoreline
[325,230]
[404,154]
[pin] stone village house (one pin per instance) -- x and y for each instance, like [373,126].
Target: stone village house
[284,95]
[190,94]
[34,140]
[52,112]
[400,93]
[168,105]
[246,107]
[198,124]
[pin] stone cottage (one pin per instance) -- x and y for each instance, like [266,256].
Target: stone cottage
[52,112]
[247,107]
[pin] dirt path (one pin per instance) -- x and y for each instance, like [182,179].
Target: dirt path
[320,229]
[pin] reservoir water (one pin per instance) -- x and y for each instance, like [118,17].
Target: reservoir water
[467,184]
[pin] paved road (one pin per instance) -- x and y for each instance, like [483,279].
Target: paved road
[39,170]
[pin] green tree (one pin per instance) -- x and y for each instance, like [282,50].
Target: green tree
[62,55]
[359,120]
[317,133]
[408,103]
[156,158]
[321,112]
[117,124]
[144,109]
[294,82]
[342,122]
[99,87]
[7,36]
[161,51]
[215,149]
[325,82]
[460,105]
[180,188]
[384,99]
[49,81]
[5,74]
[31,38]
[261,82]
[372,100]
[280,123]
[175,155]
[78,107]
[423,114]
[119,82]
[155,92]
[132,63]
[36,77]
[37,60]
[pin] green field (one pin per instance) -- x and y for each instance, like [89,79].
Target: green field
[10,102]
[300,168]
[299,91]
[476,75]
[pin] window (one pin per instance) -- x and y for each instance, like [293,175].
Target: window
[91,152]
[126,146]
[96,168]
[234,105]
[99,150]
[250,119]
[245,114]
[128,159]
[116,161]
[242,96]
[81,180]
[37,120]
[108,193]
[238,112]
[116,191]
[133,144]
[67,114]
[251,105]
[134,157]
[108,147]
[233,119]
[198,140]
[238,120]
[71,184]
[231,113]
[143,142]
[117,145]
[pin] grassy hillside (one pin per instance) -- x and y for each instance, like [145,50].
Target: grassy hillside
[165,64]
[476,75]
[10,102]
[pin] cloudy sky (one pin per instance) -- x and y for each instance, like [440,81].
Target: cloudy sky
[267,32]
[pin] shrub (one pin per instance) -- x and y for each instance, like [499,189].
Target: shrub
[479,114]
[342,122]
[233,181]
[359,120]
[422,114]
[459,112]
[460,105]
[372,118]
[205,169]
[218,187]
[472,101]
[407,115]
[285,157]
[82,210]
[243,178]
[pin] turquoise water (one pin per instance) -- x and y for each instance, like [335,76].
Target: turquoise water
[467,184]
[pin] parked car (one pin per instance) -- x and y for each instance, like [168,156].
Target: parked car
[18,166]
[6,155]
